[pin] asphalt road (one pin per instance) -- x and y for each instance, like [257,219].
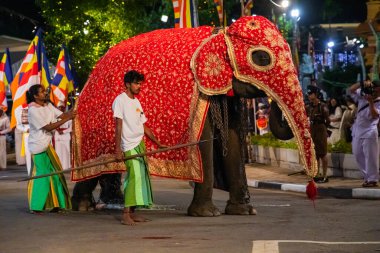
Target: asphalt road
[286,222]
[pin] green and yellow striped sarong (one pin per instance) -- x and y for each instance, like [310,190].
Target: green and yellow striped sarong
[137,186]
[48,192]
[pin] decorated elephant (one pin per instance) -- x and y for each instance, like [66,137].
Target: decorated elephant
[196,80]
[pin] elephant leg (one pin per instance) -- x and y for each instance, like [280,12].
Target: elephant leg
[202,204]
[110,189]
[82,199]
[239,202]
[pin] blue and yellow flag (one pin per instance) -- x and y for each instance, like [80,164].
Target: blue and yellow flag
[6,78]
[43,65]
[63,82]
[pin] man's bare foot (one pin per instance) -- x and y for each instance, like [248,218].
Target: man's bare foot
[127,219]
[138,218]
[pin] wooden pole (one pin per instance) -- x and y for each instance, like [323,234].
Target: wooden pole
[115,160]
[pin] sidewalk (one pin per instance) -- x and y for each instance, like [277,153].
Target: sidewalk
[271,177]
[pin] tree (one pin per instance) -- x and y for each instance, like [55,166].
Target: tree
[90,27]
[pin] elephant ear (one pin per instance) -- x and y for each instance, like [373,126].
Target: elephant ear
[210,65]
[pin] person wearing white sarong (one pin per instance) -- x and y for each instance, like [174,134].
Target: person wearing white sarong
[62,139]
[22,125]
[4,129]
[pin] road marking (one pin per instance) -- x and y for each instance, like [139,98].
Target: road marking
[274,205]
[271,246]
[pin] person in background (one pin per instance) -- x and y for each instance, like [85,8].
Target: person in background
[22,125]
[365,142]
[47,193]
[262,118]
[62,138]
[348,119]
[4,129]
[318,114]
[335,116]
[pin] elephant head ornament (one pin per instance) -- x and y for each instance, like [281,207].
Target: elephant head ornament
[183,68]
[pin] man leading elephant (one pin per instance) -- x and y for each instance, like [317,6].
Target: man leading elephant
[129,133]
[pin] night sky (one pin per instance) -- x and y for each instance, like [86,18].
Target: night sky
[311,13]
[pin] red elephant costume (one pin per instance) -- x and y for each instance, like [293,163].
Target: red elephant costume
[183,67]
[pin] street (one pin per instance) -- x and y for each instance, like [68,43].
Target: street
[286,222]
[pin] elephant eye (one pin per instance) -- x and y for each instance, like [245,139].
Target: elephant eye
[261,58]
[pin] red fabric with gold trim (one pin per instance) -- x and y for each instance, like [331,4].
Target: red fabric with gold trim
[278,78]
[168,96]
[213,73]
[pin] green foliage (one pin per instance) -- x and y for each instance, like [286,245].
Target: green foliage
[90,27]
[268,140]
[340,147]
[285,26]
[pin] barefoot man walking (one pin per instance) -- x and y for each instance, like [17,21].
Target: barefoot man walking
[130,130]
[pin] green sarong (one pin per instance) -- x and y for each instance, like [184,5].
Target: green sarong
[48,192]
[137,186]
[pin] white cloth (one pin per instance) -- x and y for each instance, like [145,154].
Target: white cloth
[24,129]
[132,114]
[4,129]
[335,130]
[39,117]
[20,160]
[62,144]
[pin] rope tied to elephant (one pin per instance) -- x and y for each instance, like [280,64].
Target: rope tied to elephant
[221,122]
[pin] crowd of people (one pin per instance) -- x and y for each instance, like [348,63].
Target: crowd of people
[353,118]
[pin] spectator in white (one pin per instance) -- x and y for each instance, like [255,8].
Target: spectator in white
[365,142]
[22,125]
[335,118]
[4,129]
[62,139]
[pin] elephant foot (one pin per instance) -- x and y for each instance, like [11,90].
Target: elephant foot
[240,209]
[207,209]
[83,205]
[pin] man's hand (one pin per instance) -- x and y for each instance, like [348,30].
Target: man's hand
[69,114]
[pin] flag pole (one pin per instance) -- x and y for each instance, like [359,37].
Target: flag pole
[116,160]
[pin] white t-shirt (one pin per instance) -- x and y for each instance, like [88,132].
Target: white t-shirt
[133,117]
[40,116]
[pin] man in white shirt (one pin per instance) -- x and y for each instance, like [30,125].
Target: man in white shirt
[4,129]
[129,133]
[22,125]
[62,137]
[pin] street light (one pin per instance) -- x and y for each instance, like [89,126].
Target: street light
[330,44]
[284,4]
[295,14]
[164,18]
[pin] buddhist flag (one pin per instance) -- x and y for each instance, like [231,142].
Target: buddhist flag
[43,66]
[6,77]
[26,76]
[219,8]
[185,15]
[63,81]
